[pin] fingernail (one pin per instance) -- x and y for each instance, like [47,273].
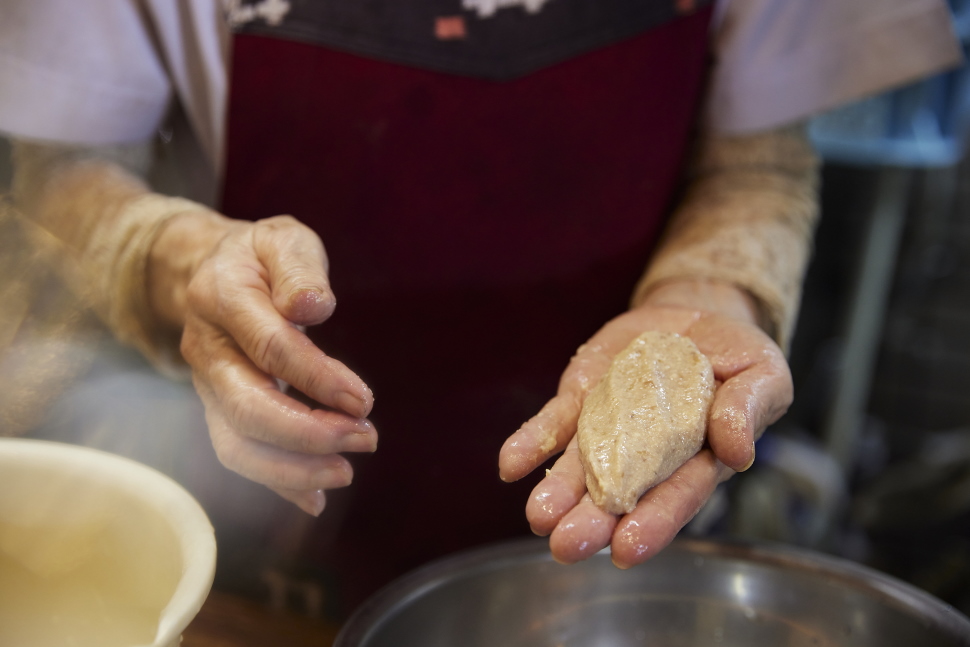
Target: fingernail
[313,502]
[349,403]
[514,467]
[311,303]
[750,461]
[628,535]
[562,560]
[365,432]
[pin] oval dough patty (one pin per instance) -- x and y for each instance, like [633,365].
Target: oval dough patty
[645,419]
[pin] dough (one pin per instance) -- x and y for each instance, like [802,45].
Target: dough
[644,419]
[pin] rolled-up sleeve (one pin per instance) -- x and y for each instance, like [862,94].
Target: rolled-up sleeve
[79,72]
[778,61]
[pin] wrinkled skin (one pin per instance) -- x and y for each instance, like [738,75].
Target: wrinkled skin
[252,286]
[250,292]
[239,294]
[754,389]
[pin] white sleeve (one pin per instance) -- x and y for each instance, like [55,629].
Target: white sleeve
[79,72]
[779,61]
[194,40]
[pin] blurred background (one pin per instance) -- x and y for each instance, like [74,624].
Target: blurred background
[872,462]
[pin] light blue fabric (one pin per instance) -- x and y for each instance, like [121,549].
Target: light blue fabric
[780,61]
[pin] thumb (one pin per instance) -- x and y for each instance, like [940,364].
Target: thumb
[297,264]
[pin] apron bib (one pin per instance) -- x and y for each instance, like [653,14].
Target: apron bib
[488,181]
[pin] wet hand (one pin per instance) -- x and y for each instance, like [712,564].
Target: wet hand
[754,389]
[243,312]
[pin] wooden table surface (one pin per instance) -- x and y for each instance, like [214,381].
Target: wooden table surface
[229,621]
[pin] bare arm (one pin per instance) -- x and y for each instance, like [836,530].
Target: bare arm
[728,275]
[185,284]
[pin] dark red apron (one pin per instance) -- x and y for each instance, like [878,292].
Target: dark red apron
[488,190]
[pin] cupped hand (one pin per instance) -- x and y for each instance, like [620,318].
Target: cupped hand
[754,389]
[243,312]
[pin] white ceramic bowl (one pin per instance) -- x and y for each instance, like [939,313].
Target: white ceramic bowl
[96,549]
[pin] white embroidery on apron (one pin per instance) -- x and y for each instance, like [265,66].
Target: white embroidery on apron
[487,8]
[272,11]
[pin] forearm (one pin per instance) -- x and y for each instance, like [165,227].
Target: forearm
[107,222]
[746,221]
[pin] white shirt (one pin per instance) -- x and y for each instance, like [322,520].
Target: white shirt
[108,71]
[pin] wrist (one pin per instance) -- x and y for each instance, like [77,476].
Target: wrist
[723,298]
[184,241]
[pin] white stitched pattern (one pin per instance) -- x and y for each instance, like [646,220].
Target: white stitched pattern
[487,8]
[272,11]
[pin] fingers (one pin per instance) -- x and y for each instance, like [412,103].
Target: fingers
[230,295]
[249,402]
[756,388]
[270,438]
[244,308]
[582,533]
[743,408]
[663,510]
[543,435]
[276,468]
[270,464]
[548,432]
[310,501]
[554,496]
[283,351]
[560,507]
[297,264]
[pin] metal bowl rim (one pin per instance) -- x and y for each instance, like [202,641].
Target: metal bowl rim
[367,619]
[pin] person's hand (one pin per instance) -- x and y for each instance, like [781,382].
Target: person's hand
[241,293]
[754,389]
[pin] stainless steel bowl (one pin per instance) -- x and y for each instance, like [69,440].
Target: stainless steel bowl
[695,593]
